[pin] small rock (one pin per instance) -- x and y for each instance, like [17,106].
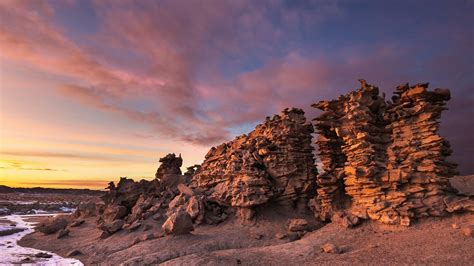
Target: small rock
[330,248]
[295,225]
[455,226]
[156,217]
[134,227]
[185,190]
[372,246]
[257,236]
[136,241]
[147,227]
[468,230]
[26,260]
[62,233]
[113,227]
[177,201]
[280,235]
[104,235]
[74,252]
[344,219]
[149,236]
[159,234]
[192,207]
[293,237]
[77,223]
[301,233]
[405,221]
[43,255]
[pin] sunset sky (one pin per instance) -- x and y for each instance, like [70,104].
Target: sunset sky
[94,90]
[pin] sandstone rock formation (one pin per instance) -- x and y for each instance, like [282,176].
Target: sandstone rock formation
[169,172]
[381,160]
[129,202]
[351,141]
[272,164]
[384,160]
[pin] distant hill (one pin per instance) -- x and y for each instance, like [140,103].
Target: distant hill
[41,190]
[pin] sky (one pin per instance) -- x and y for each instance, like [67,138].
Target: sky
[94,90]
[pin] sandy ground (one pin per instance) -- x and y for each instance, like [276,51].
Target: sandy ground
[431,241]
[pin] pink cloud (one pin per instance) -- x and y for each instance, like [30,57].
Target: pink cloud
[168,54]
[174,38]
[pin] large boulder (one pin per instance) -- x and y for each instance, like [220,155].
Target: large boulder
[52,225]
[178,223]
[296,225]
[114,212]
[112,227]
[463,184]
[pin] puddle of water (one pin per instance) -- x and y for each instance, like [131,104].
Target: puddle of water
[12,253]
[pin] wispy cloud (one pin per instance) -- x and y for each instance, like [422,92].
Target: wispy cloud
[30,168]
[195,70]
[85,183]
[46,154]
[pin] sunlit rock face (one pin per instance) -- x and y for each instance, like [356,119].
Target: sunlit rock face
[272,164]
[384,160]
[352,140]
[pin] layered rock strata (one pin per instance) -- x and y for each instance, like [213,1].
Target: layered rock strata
[384,160]
[352,139]
[273,163]
[417,169]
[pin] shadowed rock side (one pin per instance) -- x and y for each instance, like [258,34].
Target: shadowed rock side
[129,203]
[382,160]
[272,164]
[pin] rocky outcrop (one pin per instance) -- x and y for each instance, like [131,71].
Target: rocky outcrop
[352,138]
[381,160]
[169,172]
[129,202]
[417,170]
[273,163]
[384,160]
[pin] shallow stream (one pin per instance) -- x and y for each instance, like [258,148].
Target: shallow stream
[13,254]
